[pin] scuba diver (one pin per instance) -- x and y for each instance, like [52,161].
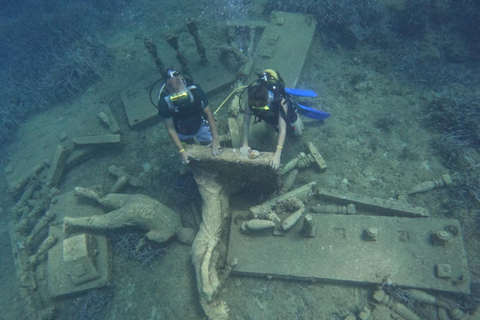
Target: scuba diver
[268,101]
[186,114]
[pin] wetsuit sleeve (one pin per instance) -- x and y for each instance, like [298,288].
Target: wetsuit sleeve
[163,109]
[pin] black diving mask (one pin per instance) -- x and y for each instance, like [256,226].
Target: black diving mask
[172,73]
[267,106]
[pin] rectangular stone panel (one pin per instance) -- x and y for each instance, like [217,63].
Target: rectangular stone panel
[138,108]
[284,45]
[405,252]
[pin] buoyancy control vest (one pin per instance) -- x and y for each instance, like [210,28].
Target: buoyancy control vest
[186,109]
[275,86]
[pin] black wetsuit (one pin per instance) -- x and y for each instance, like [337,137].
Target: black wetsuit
[187,115]
[270,116]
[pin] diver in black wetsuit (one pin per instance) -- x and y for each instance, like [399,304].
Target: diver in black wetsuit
[268,101]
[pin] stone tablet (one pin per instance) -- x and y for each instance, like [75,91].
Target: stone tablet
[409,252]
[284,45]
[138,108]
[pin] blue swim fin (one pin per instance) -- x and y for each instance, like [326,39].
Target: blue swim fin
[312,113]
[301,92]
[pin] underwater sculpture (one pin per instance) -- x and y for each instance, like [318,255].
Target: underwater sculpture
[205,247]
[131,210]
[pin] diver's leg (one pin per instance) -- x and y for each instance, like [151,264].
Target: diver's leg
[204,135]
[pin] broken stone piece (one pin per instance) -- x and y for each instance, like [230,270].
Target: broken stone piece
[425,186]
[302,193]
[108,118]
[289,181]
[256,224]
[18,184]
[316,156]
[49,242]
[104,118]
[121,174]
[292,219]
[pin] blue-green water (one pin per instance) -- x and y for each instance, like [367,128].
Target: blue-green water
[399,78]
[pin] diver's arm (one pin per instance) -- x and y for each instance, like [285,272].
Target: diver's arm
[176,141]
[213,129]
[282,132]
[245,130]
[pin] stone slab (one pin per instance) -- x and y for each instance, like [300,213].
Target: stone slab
[214,76]
[403,252]
[284,45]
[370,204]
[138,108]
[97,140]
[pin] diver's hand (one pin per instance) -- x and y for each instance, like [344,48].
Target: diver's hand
[216,148]
[184,157]
[245,150]
[275,162]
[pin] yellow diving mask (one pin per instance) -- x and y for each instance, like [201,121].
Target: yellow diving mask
[179,96]
[266,107]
